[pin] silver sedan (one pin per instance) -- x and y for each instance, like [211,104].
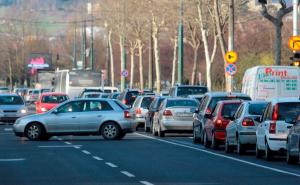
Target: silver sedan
[241,132]
[105,117]
[174,115]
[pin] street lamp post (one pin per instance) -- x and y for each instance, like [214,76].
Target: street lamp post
[180,45]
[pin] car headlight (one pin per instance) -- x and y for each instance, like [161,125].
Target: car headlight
[43,109]
[23,111]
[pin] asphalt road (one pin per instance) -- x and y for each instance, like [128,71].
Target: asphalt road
[137,159]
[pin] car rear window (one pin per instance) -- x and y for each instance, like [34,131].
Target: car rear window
[11,100]
[54,99]
[229,109]
[182,103]
[146,102]
[92,95]
[290,110]
[121,105]
[215,100]
[185,91]
[257,109]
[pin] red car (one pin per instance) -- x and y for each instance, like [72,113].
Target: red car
[48,101]
[215,127]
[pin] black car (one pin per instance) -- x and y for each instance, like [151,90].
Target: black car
[293,143]
[128,96]
[208,103]
[152,109]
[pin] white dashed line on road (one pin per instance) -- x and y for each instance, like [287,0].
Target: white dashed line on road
[68,143]
[111,165]
[60,139]
[146,183]
[97,158]
[221,155]
[127,174]
[8,129]
[58,146]
[86,152]
[77,146]
[12,160]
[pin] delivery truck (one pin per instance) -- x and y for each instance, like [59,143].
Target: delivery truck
[267,82]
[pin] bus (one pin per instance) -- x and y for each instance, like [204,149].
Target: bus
[73,82]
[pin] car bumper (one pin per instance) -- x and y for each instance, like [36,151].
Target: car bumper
[173,125]
[277,144]
[139,120]
[128,125]
[247,138]
[220,134]
[8,119]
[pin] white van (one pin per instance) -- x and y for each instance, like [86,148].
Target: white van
[267,82]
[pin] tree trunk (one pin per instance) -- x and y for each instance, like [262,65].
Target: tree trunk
[140,47]
[194,73]
[278,39]
[156,55]
[174,61]
[111,59]
[131,67]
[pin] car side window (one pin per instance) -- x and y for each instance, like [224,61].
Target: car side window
[266,112]
[203,103]
[239,112]
[97,106]
[75,106]
[216,110]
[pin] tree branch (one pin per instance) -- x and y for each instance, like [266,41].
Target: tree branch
[264,12]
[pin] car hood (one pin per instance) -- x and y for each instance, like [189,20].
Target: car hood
[11,107]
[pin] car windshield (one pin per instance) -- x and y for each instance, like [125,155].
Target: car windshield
[185,91]
[181,103]
[215,100]
[257,109]
[54,99]
[11,100]
[229,109]
[146,102]
[36,92]
[289,110]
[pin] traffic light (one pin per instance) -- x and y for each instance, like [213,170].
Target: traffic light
[295,60]
[262,1]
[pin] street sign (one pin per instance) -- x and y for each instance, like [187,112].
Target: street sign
[124,73]
[231,57]
[231,69]
[294,43]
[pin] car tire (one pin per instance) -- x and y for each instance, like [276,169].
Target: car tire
[228,148]
[195,138]
[258,153]
[34,132]
[160,132]
[240,148]
[268,152]
[110,131]
[214,142]
[291,159]
[206,143]
[122,135]
[45,137]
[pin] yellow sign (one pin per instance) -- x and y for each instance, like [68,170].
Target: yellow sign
[231,57]
[294,43]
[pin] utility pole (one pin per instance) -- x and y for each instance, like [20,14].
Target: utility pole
[83,49]
[74,48]
[180,45]
[295,17]
[150,64]
[123,53]
[90,11]
[229,78]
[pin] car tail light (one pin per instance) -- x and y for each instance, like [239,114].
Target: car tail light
[218,123]
[167,113]
[208,111]
[138,111]
[248,122]
[272,128]
[275,113]
[127,114]
[124,102]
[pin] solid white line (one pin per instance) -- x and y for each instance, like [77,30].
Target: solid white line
[8,129]
[12,160]
[127,174]
[224,156]
[58,146]
[111,165]
[86,152]
[146,183]
[97,158]
[68,143]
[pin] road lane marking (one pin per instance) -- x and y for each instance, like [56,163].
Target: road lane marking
[146,183]
[97,158]
[221,155]
[86,152]
[77,146]
[12,160]
[111,165]
[127,174]
[68,143]
[8,129]
[60,139]
[59,146]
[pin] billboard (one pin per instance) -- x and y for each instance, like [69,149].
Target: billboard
[39,61]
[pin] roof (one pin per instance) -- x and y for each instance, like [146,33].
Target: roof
[9,94]
[226,94]
[283,100]
[53,93]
